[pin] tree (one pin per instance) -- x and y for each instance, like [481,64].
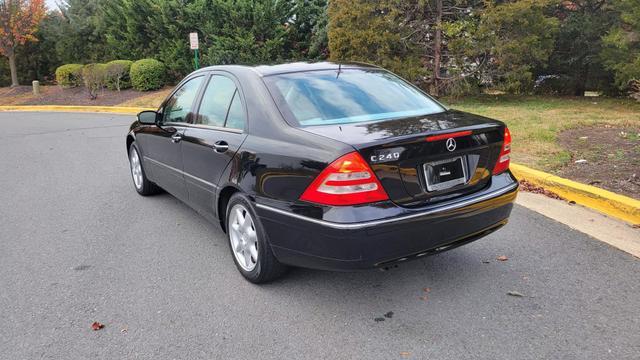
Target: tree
[82,40]
[39,59]
[621,51]
[520,36]
[369,31]
[307,29]
[19,21]
[576,55]
[445,33]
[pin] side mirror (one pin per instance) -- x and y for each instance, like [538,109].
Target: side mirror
[148,117]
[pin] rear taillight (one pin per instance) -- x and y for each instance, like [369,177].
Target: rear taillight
[505,154]
[347,181]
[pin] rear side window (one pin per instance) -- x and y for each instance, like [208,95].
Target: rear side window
[347,96]
[221,105]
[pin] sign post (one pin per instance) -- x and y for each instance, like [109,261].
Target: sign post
[193,42]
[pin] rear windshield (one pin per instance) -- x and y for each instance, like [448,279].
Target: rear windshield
[349,96]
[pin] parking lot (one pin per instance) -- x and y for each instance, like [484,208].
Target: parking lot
[78,245]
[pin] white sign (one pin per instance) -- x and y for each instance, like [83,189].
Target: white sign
[193,40]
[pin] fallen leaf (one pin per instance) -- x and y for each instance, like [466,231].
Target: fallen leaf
[404,353]
[388,315]
[124,330]
[96,326]
[572,202]
[515,293]
[502,258]
[426,290]
[529,187]
[636,226]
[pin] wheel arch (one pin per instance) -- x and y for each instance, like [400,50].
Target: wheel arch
[223,199]
[130,140]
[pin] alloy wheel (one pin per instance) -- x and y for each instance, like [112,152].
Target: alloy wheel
[243,237]
[136,168]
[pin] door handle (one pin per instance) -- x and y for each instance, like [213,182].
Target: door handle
[221,146]
[176,138]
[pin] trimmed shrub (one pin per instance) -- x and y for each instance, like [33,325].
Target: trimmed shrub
[93,76]
[69,75]
[147,74]
[117,74]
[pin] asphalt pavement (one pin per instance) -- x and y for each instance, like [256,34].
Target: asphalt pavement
[78,245]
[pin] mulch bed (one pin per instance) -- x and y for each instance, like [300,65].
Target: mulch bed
[55,95]
[80,96]
[604,156]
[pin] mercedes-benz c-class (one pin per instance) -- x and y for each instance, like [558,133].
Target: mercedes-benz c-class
[337,166]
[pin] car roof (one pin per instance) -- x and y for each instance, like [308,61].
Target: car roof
[266,70]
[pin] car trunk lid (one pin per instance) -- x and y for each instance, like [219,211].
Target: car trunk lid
[425,159]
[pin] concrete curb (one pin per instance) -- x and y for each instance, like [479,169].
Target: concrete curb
[607,202]
[70,108]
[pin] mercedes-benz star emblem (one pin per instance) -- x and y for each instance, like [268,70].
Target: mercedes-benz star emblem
[451,144]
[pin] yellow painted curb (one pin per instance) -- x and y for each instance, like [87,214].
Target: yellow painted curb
[69,108]
[607,202]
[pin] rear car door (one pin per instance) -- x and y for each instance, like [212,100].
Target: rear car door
[163,149]
[213,139]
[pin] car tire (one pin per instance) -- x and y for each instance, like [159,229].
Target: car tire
[142,185]
[244,229]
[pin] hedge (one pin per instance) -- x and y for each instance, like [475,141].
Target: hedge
[147,74]
[69,75]
[93,76]
[117,74]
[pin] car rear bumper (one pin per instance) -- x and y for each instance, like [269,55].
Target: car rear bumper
[301,239]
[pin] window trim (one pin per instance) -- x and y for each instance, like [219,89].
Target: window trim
[226,118]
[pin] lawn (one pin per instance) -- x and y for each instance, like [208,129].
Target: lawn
[152,99]
[536,122]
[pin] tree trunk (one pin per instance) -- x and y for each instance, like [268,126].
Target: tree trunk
[437,50]
[12,66]
[581,81]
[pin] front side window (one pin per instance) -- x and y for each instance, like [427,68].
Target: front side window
[347,96]
[221,105]
[178,107]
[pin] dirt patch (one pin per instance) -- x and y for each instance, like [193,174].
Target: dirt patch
[604,156]
[55,95]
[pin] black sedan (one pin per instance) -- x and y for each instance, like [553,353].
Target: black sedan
[325,165]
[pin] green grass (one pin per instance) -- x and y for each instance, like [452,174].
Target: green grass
[536,121]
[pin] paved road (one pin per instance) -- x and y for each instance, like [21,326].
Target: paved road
[78,245]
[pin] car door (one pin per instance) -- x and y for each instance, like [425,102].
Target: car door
[214,138]
[163,148]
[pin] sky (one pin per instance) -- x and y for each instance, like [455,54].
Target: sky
[51,4]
